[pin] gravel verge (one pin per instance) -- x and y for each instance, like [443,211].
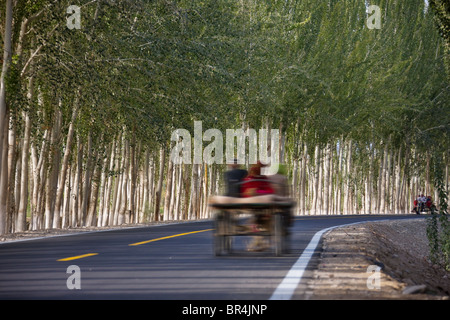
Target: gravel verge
[398,248]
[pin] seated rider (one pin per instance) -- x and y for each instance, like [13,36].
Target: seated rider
[280,185]
[233,177]
[256,184]
[251,188]
[429,201]
[417,204]
[422,200]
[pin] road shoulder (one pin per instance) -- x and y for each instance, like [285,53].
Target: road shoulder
[351,256]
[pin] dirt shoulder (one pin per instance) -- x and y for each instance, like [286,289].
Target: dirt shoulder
[399,248]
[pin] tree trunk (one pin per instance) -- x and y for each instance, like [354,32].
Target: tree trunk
[146,186]
[67,201]
[17,176]
[347,179]
[295,180]
[193,192]
[76,188]
[173,196]
[187,192]
[12,168]
[303,180]
[52,178]
[383,165]
[117,193]
[3,106]
[38,168]
[398,182]
[135,149]
[327,180]
[124,186]
[87,182]
[369,189]
[65,164]
[168,194]
[107,189]
[151,186]
[179,192]
[339,177]
[22,211]
[4,181]
[315,204]
[132,183]
[162,159]
[103,187]
[95,186]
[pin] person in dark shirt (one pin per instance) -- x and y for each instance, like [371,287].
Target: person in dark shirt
[232,179]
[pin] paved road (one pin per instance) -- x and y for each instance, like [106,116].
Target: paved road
[171,262]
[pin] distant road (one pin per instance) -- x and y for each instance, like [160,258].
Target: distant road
[171,262]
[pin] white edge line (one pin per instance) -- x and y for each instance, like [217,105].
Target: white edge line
[288,285]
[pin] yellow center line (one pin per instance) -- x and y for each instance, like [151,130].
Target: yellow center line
[135,244]
[168,237]
[78,257]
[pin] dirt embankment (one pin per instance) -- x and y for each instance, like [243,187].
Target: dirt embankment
[398,248]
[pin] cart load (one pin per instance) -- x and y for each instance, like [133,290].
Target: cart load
[267,219]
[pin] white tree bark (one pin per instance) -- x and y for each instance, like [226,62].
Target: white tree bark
[3,107]
[65,164]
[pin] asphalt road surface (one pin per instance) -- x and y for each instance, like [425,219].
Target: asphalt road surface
[169,262]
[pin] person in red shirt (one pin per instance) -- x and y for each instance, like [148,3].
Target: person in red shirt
[429,202]
[256,184]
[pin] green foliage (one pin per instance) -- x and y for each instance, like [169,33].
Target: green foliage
[152,66]
[441,9]
[313,68]
[438,225]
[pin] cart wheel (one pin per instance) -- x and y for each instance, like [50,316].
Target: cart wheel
[286,233]
[228,243]
[286,242]
[218,245]
[277,236]
[218,238]
[222,241]
[228,229]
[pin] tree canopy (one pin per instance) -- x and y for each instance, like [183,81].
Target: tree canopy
[137,70]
